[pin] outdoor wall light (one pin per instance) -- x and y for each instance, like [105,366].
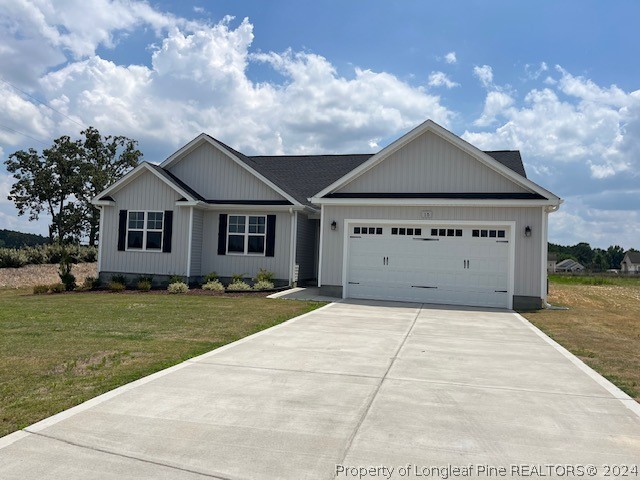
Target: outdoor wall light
[527,231]
[334,225]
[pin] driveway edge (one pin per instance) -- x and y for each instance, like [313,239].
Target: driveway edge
[63,415]
[617,393]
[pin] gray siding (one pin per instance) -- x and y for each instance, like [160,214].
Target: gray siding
[215,176]
[528,250]
[430,164]
[227,265]
[146,192]
[306,247]
[196,243]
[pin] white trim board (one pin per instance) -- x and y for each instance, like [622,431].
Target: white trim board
[204,138]
[425,202]
[431,126]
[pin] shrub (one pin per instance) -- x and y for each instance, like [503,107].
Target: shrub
[263,285]
[88,254]
[56,288]
[214,286]
[64,272]
[238,286]
[237,277]
[89,283]
[35,255]
[116,286]
[119,279]
[265,275]
[176,279]
[178,287]
[144,285]
[40,289]
[12,258]
[210,277]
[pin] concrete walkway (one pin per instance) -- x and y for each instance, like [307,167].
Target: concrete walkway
[354,384]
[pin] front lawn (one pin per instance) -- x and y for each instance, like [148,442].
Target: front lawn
[601,327]
[57,351]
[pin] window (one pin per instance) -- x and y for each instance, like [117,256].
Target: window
[488,233]
[144,231]
[406,231]
[247,234]
[368,230]
[446,232]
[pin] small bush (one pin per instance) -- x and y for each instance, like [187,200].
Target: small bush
[237,277]
[12,258]
[214,286]
[57,288]
[88,254]
[119,279]
[238,286]
[176,279]
[263,285]
[40,289]
[178,287]
[264,275]
[89,284]
[116,286]
[144,285]
[210,277]
[64,272]
[35,255]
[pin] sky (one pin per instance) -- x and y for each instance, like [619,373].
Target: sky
[559,81]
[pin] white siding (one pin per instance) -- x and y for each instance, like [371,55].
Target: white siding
[215,176]
[227,265]
[306,247]
[196,243]
[146,192]
[528,261]
[430,164]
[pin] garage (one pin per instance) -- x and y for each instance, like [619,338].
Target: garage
[445,263]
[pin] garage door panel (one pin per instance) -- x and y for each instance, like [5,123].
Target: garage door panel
[459,270]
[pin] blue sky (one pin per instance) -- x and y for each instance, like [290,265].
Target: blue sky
[556,80]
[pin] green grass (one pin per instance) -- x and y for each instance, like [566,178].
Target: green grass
[57,351]
[568,279]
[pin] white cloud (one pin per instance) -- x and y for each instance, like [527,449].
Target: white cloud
[6,181]
[450,58]
[533,72]
[495,105]
[440,79]
[484,74]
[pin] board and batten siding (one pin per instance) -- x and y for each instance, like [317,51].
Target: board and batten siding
[528,251]
[306,247]
[248,265]
[146,192]
[196,243]
[430,164]
[215,176]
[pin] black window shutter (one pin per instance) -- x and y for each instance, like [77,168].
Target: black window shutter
[222,234]
[271,236]
[168,231]
[122,231]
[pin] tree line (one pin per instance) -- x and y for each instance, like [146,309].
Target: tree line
[596,259]
[61,181]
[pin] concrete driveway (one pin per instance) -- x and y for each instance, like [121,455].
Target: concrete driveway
[353,384]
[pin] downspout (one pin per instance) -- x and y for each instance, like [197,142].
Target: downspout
[292,250]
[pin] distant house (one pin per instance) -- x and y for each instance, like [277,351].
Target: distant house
[552,259]
[569,265]
[630,262]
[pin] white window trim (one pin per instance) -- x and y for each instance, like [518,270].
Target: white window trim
[144,232]
[246,235]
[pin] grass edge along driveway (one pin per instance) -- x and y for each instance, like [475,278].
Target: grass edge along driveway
[57,351]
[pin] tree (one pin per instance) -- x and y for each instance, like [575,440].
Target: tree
[47,182]
[104,160]
[615,254]
[62,180]
[600,262]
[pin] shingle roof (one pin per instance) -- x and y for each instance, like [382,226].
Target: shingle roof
[634,256]
[302,176]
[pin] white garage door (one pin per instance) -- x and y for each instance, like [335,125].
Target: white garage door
[446,264]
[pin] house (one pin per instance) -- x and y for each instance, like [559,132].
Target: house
[631,262]
[430,219]
[569,265]
[552,259]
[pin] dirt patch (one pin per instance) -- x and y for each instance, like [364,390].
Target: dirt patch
[31,275]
